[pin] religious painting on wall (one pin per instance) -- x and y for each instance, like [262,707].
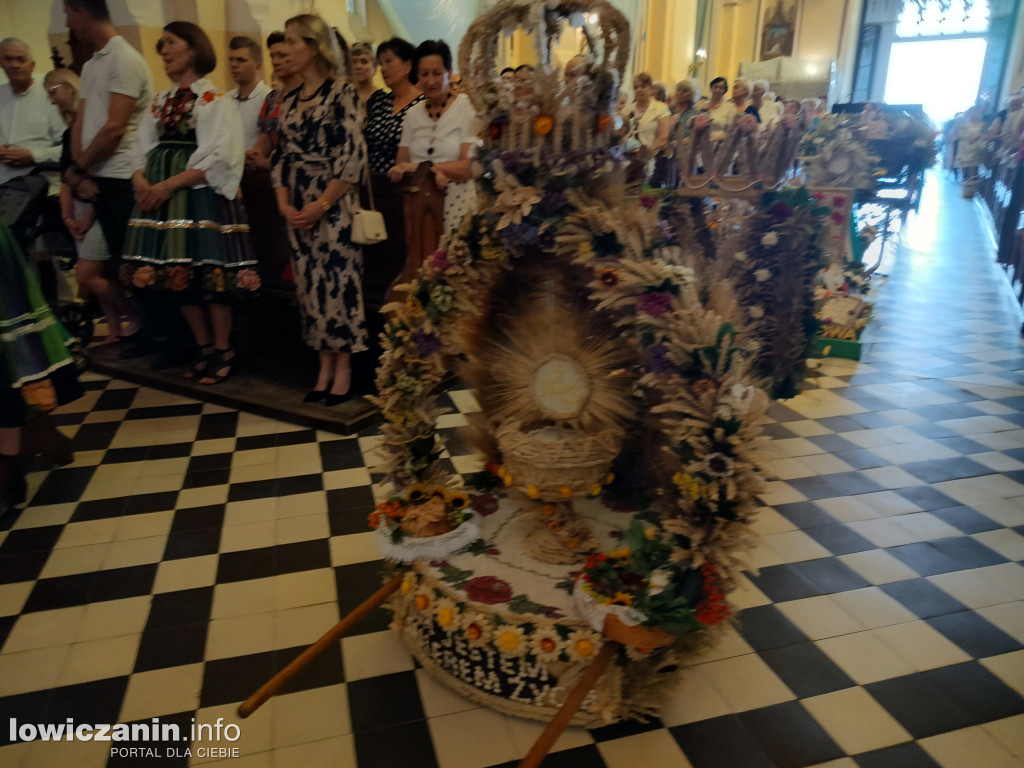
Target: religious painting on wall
[778,33]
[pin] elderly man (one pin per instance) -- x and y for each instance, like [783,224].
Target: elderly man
[30,126]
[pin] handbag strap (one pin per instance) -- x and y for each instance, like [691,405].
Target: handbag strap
[369,192]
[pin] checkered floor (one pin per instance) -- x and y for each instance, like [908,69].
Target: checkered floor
[190,551]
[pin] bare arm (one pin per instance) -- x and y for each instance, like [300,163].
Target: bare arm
[104,143]
[457,170]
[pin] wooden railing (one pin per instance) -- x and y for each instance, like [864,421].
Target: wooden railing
[1002,189]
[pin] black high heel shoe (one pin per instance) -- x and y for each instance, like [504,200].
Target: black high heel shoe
[315,396]
[333,400]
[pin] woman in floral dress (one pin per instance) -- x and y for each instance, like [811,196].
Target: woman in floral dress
[189,235]
[319,162]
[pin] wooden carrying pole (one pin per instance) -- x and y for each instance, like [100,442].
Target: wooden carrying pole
[274,684]
[573,701]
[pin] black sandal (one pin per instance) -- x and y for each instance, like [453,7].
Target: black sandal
[202,365]
[220,366]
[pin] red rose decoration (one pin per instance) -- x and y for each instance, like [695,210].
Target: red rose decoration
[208,96]
[484,505]
[838,201]
[488,590]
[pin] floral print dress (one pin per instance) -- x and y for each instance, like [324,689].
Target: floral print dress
[196,244]
[321,142]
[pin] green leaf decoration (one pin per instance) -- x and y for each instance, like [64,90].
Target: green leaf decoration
[523,604]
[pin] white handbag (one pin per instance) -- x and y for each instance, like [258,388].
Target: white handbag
[368,224]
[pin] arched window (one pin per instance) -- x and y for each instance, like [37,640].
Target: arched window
[928,18]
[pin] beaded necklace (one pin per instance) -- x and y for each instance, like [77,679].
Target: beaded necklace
[436,115]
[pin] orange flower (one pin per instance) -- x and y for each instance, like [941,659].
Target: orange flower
[473,632]
[422,601]
[543,124]
[547,510]
[565,491]
[603,123]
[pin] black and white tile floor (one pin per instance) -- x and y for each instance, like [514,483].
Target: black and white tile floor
[190,551]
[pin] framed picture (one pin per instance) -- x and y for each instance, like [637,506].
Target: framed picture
[778,31]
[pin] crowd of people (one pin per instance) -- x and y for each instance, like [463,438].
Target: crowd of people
[657,124]
[976,137]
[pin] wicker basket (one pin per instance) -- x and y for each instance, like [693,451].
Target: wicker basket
[551,459]
[644,638]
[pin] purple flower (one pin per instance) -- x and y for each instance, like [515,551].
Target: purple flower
[658,360]
[655,303]
[426,343]
[439,260]
[522,235]
[554,202]
[780,211]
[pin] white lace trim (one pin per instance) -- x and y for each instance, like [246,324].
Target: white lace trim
[430,547]
[24,330]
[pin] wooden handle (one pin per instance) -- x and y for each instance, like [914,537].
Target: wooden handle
[543,745]
[274,684]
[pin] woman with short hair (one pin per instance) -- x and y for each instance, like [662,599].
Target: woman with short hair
[364,68]
[441,131]
[721,112]
[188,235]
[383,262]
[320,160]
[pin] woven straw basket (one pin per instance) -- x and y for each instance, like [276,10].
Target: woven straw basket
[552,458]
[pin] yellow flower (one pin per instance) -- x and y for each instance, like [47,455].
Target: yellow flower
[650,533]
[417,493]
[584,649]
[457,499]
[623,598]
[543,124]
[532,491]
[507,479]
[595,489]
[406,586]
[490,253]
[445,616]
[584,249]
[502,471]
[565,491]
[622,552]
[509,640]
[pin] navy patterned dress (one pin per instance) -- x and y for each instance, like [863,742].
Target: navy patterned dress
[321,140]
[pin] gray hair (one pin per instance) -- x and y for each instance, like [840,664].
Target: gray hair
[693,85]
[16,41]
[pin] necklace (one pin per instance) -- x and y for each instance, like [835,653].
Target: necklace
[435,115]
[314,94]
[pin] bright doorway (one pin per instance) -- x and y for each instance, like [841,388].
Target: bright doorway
[943,75]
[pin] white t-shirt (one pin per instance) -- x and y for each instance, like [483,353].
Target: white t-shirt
[219,152]
[439,142]
[249,109]
[116,68]
[28,120]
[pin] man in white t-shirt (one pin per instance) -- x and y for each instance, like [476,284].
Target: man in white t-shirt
[246,60]
[31,127]
[116,90]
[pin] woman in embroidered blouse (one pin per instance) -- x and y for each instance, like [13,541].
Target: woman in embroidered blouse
[320,159]
[383,262]
[442,131]
[188,234]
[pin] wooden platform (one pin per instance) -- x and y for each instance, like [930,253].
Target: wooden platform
[275,394]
